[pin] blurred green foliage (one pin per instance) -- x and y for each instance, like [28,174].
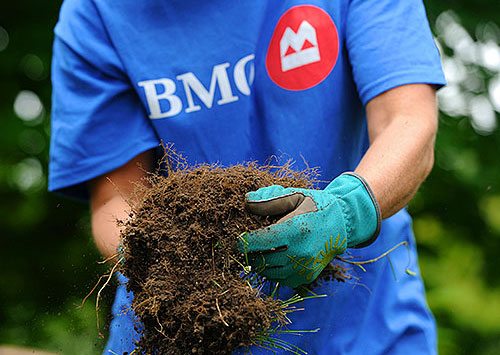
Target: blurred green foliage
[47,257]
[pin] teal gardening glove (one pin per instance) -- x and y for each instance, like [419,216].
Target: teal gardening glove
[317,225]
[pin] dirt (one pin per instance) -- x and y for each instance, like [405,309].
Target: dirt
[183,265]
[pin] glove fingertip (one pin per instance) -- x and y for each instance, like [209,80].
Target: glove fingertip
[252,196]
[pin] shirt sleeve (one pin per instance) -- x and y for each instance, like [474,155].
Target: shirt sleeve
[390,44]
[98,122]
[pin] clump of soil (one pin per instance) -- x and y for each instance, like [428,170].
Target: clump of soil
[183,265]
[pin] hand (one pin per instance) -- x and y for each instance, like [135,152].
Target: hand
[317,225]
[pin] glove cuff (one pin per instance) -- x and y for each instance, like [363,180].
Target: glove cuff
[362,212]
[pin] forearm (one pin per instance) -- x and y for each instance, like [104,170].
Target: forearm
[105,228]
[401,154]
[397,163]
[108,202]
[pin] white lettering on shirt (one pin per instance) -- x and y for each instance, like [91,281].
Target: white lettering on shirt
[240,79]
[219,78]
[158,91]
[153,97]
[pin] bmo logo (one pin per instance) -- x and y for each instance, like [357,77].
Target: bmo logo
[299,49]
[303,49]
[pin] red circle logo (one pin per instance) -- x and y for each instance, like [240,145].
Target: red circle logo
[303,49]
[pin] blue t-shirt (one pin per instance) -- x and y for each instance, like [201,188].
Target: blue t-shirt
[234,81]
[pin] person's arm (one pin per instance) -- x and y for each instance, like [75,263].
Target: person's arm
[402,125]
[108,196]
[319,224]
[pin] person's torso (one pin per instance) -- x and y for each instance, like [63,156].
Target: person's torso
[246,80]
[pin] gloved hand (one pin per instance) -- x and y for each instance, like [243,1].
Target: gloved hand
[317,225]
